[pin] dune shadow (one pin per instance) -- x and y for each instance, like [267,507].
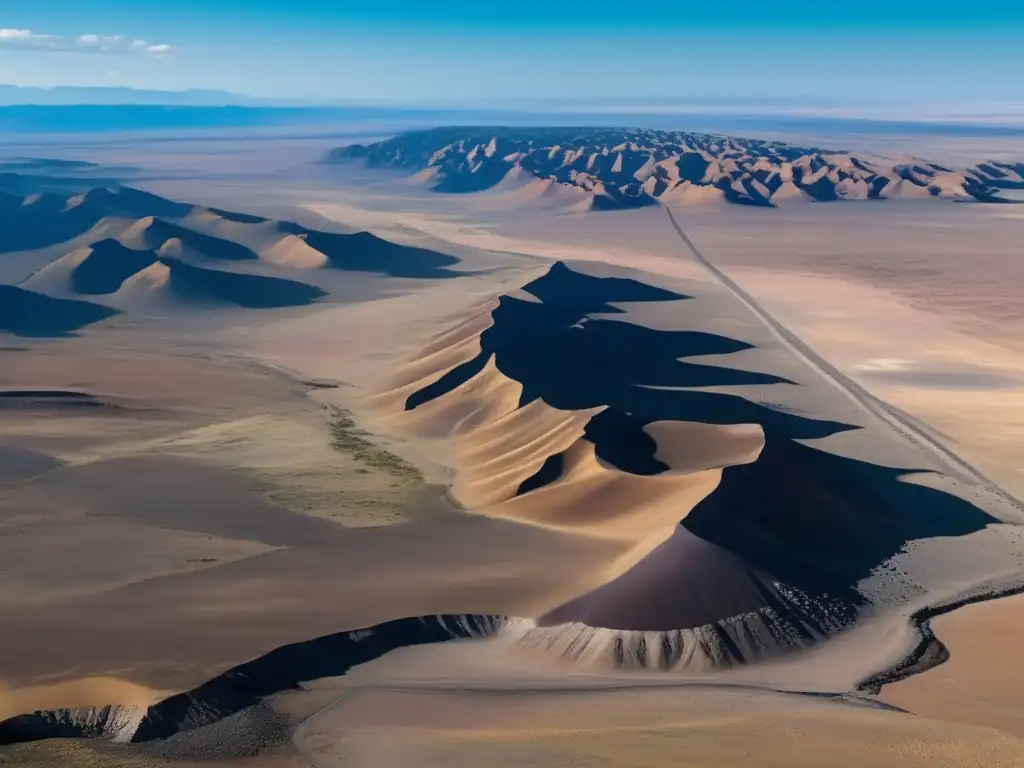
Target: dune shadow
[18,464]
[687,582]
[31,314]
[247,684]
[107,266]
[243,290]
[35,215]
[824,522]
[818,521]
[365,252]
[159,232]
[50,398]
[562,354]
[41,220]
[139,203]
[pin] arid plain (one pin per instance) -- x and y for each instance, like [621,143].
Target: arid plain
[250,452]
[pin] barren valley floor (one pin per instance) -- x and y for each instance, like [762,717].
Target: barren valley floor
[505,482]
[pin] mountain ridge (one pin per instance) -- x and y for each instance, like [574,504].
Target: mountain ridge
[628,168]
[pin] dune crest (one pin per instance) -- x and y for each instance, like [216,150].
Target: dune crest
[573,407]
[523,459]
[293,251]
[536,464]
[498,446]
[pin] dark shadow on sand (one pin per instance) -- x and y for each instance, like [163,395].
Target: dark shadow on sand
[31,314]
[38,221]
[250,291]
[248,684]
[19,464]
[204,246]
[35,215]
[817,521]
[107,266]
[365,252]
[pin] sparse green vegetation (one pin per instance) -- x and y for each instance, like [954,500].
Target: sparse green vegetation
[348,438]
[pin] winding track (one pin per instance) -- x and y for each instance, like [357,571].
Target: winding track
[955,465]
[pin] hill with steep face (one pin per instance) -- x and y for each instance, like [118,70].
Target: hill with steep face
[621,168]
[140,221]
[28,313]
[126,250]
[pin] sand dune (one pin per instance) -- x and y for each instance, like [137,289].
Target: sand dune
[93,270]
[730,494]
[152,256]
[364,251]
[546,426]
[294,251]
[41,220]
[148,291]
[90,243]
[26,313]
[173,281]
[733,507]
[131,275]
[151,233]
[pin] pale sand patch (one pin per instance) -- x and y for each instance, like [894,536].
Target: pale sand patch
[297,465]
[571,242]
[979,683]
[970,392]
[97,553]
[962,263]
[682,727]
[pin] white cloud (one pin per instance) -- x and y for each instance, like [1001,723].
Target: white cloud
[26,39]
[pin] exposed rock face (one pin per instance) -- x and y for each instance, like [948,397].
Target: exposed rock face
[622,168]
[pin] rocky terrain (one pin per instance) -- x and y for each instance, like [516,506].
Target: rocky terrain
[619,168]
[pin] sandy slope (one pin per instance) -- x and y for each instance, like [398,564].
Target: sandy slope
[851,326]
[977,684]
[84,692]
[969,391]
[578,420]
[528,444]
[150,256]
[681,727]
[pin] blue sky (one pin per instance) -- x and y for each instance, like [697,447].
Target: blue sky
[831,52]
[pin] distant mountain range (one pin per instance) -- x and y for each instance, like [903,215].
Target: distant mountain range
[621,168]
